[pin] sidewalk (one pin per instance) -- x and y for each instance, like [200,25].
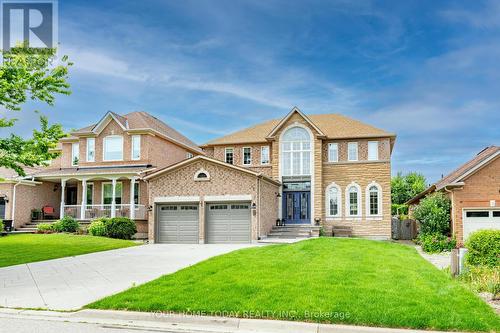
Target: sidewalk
[185,323]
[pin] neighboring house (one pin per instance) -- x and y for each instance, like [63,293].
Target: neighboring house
[325,169]
[99,170]
[474,191]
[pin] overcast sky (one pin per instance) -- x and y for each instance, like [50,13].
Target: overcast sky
[426,70]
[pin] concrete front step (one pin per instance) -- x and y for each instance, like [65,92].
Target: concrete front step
[287,234]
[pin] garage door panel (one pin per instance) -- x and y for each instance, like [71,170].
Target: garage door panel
[228,223]
[178,224]
[475,220]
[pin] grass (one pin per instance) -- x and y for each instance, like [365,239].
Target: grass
[25,248]
[348,281]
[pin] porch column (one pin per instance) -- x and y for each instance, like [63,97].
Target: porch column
[84,199]
[132,195]
[113,199]
[61,209]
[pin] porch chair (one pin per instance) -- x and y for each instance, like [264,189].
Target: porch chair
[48,211]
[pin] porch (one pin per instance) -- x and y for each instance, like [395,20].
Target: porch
[90,212]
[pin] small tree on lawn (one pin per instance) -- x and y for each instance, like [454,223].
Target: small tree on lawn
[433,214]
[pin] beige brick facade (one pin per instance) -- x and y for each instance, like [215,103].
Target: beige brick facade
[223,181]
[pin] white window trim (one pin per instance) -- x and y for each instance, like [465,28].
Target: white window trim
[347,201]
[88,151]
[376,151]
[243,156]
[77,144]
[357,152]
[268,155]
[333,144]
[104,147]
[132,147]
[201,179]
[189,155]
[93,191]
[111,183]
[225,154]
[339,200]
[367,200]
[301,164]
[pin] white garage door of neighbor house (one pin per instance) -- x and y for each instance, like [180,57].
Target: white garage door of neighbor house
[228,223]
[178,223]
[480,219]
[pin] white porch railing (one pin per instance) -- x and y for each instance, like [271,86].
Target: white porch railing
[96,211]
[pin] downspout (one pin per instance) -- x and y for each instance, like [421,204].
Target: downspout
[13,215]
[258,207]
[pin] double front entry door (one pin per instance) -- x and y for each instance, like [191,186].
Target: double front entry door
[296,207]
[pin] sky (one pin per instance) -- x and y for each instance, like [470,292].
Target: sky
[425,70]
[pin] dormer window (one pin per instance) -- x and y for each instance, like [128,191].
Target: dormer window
[113,148]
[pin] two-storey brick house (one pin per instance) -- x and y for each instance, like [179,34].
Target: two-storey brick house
[326,170]
[99,170]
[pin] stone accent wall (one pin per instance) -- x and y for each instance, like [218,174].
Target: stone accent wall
[362,174]
[223,181]
[479,189]
[267,206]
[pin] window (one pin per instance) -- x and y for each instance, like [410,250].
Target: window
[496,213]
[75,154]
[373,196]
[90,193]
[90,150]
[218,207]
[352,151]
[264,155]
[229,155]
[107,193]
[296,152]
[353,200]
[201,175]
[168,208]
[136,193]
[113,148]
[247,155]
[136,147]
[240,207]
[372,150]
[478,214]
[189,207]
[333,152]
[333,200]
[189,155]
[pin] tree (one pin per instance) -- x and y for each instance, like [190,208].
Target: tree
[30,73]
[405,187]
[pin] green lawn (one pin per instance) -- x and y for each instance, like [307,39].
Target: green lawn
[349,281]
[24,248]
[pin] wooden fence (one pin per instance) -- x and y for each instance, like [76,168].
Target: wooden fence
[403,229]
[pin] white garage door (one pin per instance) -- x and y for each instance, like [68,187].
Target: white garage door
[178,223]
[228,223]
[480,219]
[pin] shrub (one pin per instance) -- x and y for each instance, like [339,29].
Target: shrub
[120,227]
[483,248]
[98,227]
[2,227]
[66,224]
[433,214]
[436,242]
[482,279]
[44,228]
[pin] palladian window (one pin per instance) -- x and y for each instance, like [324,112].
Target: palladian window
[296,152]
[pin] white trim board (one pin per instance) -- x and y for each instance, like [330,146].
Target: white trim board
[219,198]
[193,198]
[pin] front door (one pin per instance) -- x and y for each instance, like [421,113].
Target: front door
[71,194]
[296,207]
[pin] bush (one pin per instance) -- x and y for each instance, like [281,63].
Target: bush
[66,224]
[98,228]
[2,227]
[433,214]
[483,248]
[120,227]
[482,279]
[436,242]
[44,228]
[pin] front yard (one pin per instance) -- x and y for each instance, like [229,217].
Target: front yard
[349,281]
[25,248]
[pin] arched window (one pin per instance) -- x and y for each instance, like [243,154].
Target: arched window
[333,200]
[296,152]
[202,175]
[353,200]
[373,199]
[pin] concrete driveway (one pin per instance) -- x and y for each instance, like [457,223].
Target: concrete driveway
[72,282]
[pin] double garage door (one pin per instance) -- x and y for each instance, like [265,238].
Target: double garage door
[224,223]
[480,219]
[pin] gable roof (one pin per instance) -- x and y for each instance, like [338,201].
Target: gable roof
[138,121]
[284,120]
[456,177]
[333,126]
[188,161]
